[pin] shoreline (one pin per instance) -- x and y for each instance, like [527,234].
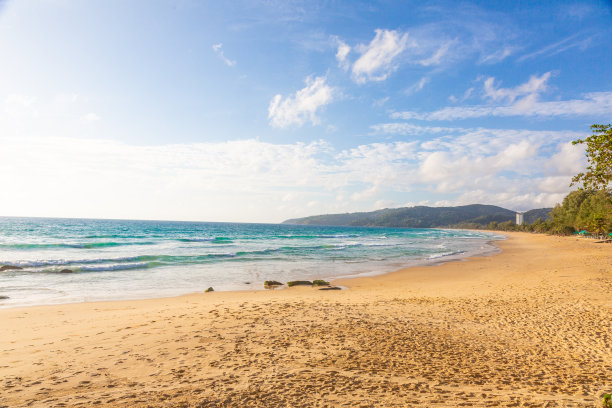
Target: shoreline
[342,281]
[526,326]
[374,270]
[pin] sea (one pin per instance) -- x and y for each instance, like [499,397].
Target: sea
[81,260]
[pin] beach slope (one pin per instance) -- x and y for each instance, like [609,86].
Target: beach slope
[530,327]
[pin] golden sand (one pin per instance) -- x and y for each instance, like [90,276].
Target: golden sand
[529,327]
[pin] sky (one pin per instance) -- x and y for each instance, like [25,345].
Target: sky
[260,111]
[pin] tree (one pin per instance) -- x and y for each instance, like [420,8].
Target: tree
[583,209]
[599,156]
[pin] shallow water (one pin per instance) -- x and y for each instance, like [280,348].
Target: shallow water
[119,259]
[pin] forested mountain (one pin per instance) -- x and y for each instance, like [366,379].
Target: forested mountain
[422,217]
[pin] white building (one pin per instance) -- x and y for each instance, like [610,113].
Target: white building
[519,218]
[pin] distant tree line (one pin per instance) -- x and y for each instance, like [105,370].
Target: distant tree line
[581,210]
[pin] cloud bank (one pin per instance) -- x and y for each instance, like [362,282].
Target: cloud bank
[250,180]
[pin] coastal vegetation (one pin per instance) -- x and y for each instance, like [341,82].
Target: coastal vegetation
[599,157]
[589,209]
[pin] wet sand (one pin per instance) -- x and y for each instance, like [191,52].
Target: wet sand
[529,327]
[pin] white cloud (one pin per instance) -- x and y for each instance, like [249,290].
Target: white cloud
[554,184]
[569,160]
[468,92]
[342,54]
[415,204]
[199,181]
[410,129]
[559,47]
[418,86]
[380,102]
[368,193]
[593,104]
[522,100]
[331,129]
[302,106]
[518,169]
[512,198]
[531,88]
[498,55]
[218,49]
[381,204]
[502,167]
[240,180]
[377,58]
[437,56]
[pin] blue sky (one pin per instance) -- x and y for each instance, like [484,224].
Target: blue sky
[261,111]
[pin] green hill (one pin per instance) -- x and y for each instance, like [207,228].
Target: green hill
[422,217]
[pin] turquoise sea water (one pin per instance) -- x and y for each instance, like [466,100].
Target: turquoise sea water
[118,259]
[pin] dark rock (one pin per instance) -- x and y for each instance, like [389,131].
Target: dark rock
[66,271]
[319,282]
[9,268]
[299,283]
[272,284]
[209,290]
[331,288]
[2,297]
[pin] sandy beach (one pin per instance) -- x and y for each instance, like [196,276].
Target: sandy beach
[528,327]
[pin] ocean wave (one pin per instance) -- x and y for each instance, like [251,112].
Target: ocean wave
[113,267]
[63,262]
[154,260]
[86,245]
[318,236]
[436,256]
[348,251]
[220,240]
[96,268]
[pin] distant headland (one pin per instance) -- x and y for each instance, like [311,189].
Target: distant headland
[423,217]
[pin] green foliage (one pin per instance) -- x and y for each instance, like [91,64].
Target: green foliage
[599,156]
[299,283]
[607,401]
[209,290]
[584,210]
[271,284]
